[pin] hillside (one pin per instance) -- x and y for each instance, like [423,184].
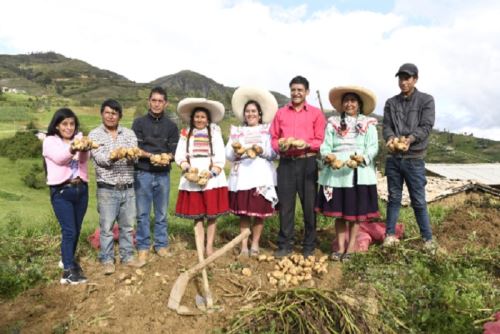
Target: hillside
[53,74]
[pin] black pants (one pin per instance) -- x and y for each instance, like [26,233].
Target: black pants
[297,176]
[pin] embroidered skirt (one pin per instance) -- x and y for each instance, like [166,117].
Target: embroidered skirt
[250,203]
[210,203]
[358,203]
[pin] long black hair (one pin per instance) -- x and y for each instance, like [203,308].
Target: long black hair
[191,127]
[343,124]
[59,116]
[259,109]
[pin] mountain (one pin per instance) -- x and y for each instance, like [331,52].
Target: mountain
[53,74]
[196,84]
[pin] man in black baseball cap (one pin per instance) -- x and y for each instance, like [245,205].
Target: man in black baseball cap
[409,69]
[410,114]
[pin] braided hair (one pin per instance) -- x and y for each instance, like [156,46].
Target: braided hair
[191,127]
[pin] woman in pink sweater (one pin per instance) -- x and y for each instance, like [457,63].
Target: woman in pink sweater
[67,177]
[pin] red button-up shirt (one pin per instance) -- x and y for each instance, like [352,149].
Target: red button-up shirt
[308,124]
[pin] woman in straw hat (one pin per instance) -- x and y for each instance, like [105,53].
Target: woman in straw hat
[252,180]
[348,190]
[200,154]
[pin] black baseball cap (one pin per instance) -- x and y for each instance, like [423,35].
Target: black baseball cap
[408,68]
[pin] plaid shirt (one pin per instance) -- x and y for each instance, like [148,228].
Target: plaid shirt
[107,171]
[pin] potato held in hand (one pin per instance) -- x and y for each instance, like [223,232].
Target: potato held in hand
[83,144]
[283,144]
[358,158]
[352,164]
[399,144]
[299,144]
[162,159]
[238,148]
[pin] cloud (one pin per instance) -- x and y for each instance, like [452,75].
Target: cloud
[454,43]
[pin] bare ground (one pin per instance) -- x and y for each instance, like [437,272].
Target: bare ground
[137,303]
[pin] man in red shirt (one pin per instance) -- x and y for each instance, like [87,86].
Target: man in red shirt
[297,170]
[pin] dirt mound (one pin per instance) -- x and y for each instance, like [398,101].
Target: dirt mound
[133,300]
[473,222]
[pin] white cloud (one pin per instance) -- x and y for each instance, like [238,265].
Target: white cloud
[454,43]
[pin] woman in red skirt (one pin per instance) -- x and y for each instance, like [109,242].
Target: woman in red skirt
[252,180]
[200,154]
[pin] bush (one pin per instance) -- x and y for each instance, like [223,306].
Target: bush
[23,145]
[429,294]
[35,178]
[28,256]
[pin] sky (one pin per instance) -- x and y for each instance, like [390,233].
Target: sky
[455,44]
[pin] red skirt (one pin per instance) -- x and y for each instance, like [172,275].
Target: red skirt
[250,203]
[209,203]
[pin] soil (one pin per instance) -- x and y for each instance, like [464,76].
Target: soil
[135,301]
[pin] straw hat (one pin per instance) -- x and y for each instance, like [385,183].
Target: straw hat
[188,104]
[367,96]
[267,102]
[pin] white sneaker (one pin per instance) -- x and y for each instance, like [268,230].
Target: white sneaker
[390,241]
[430,246]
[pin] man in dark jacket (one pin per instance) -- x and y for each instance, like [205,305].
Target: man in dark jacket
[410,114]
[156,134]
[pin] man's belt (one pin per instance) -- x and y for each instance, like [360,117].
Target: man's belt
[119,186]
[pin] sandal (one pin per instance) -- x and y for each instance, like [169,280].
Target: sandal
[244,253]
[254,252]
[336,256]
[346,257]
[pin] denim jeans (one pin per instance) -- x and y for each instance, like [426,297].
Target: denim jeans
[411,171]
[152,188]
[70,204]
[116,205]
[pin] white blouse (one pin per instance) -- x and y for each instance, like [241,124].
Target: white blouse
[201,157]
[249,173]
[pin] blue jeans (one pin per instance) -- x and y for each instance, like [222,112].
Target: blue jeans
[116,205]
[70,204]
[411,171]
[152,188]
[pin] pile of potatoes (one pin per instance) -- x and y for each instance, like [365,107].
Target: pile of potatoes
[399,144]
[354,161]
[289,143]
[291,271]
[162,159]
[83,144]
[252,152]
[200,178]
[130,153]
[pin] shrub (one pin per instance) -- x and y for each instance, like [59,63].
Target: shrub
[23,145]
[35,177]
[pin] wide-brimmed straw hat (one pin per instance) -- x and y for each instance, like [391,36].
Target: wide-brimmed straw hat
[187,105]
[366,95]
[267,102]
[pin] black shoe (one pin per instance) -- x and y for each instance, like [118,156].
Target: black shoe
[308,252]
[282,252]
[79,270]
[71,276]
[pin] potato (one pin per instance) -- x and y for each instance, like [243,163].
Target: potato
[251,153]
[330,157]
[257,149]
[352,164]
[202,181]
[262,257]
[337,164]
[246,272]
[240,151]
[277,274]
[236,145]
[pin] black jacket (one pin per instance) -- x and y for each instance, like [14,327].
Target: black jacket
[155,135]
[412,116]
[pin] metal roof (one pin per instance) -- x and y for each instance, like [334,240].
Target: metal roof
[483,173]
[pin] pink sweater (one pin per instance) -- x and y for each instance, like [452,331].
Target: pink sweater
[58,159]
